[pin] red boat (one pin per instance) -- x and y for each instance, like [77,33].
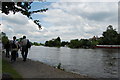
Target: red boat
[107,46]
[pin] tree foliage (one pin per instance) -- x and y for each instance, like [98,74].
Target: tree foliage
[64,43]
[54,42]
[110,37]
[4,38]
[83,43]
[23,7]
[37,44]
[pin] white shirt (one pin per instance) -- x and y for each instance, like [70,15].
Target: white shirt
[24,42]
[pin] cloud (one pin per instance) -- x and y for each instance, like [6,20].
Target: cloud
[82,0]
[80,20]
[20,25]
[92,11]
[69,20]
[17,20]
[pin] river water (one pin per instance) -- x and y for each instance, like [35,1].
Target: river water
[98,63]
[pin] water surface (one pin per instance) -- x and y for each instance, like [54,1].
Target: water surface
[99,63]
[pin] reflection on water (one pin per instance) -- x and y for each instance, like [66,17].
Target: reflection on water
[92,62]
[110,61]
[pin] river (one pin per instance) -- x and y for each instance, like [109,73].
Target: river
[97,63]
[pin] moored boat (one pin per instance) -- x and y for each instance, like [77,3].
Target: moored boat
[107,46]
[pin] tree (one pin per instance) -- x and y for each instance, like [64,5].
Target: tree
[74,43]
[109,36]
[118,39]
[85,43]
[54,42]
[94,43]
[46,43]
[23,7]
[63,43]
[58,39]
[36,44]
[4,38]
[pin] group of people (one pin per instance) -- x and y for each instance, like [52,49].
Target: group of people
[14,46]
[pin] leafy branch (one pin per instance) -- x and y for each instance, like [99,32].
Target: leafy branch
[23,7]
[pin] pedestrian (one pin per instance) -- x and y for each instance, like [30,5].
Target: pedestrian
[25,47]
[19,47]
[7,47]
[14,49]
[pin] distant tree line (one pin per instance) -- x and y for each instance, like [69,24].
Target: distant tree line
[54,42]
[109,37]
[37,44]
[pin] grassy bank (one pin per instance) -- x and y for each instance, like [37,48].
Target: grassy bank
[7,68]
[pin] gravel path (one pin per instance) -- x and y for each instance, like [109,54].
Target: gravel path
[35,69]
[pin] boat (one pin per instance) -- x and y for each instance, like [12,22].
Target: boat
[107,46]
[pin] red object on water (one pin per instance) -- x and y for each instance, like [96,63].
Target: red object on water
[107,46]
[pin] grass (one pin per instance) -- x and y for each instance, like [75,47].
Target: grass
[7,68]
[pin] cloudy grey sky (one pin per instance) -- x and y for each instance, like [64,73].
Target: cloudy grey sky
[69,20]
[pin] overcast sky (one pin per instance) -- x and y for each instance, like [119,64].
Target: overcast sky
[69,20]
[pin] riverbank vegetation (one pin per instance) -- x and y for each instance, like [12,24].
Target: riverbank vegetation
[54,42]
[37,44]
[109,37]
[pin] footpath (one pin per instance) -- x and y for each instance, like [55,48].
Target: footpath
[36,69]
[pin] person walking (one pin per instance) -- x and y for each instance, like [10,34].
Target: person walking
[14,49]
[7,47]
[25,47]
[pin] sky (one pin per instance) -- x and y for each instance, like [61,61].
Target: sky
[68,20]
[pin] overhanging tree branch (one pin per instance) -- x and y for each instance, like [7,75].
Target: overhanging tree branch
[23,7]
